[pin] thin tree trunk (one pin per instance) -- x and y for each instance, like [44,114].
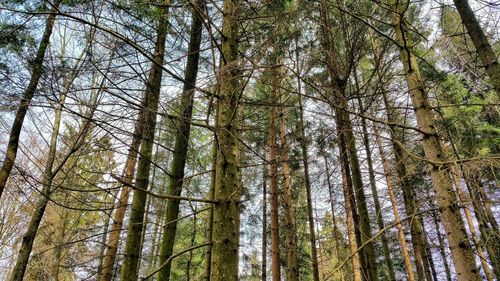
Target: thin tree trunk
[481,43]
[226,225]
[410,199]
[364,218]
[335,228]
[352,219]
[456,176]
[487,224]
[210,223]
[36,74]
[129,271]
[273,193]
[373,185]
[48,175]
[292,270]
[461,250]
[310,217]
[114,236]
[305,160]
[183,126]
[442,251]
[264,223]
[395,209]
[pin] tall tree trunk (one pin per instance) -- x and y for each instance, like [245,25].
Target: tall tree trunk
[48,174]
[487,224]
[442,251]
[292,270]
[335,228]
[461,250]
[352,219]
[106,273]
[264,222]
[226,225]
[346,135]
[410,199]
[395,209]
[373,185]
[344,125]
[305,161]
[456,176]
[273,193]
[183,126]
[481,43]
[210,223]
[129,271]
[36,74]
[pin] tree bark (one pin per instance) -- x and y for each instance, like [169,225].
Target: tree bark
[36,74]
[335,228]
[292,270]
[226,225]
[461,250]
[310,217]
[129,271]
[410,199]
[106,273]
[182,139]
[264,223]
[395,209]
[481,43]
[373,185]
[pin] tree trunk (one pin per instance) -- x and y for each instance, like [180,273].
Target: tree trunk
[226,225]
[273,193]
[210,223]
[129,271]
[335,228]
[461,250]
[481,43]
[36,74]
[264,223]
[410,199]
[114,235]
[345,127]
[373,185]
[292,270]
[352,219]
[181,140]
[310,217]
[395,209]
[442,251]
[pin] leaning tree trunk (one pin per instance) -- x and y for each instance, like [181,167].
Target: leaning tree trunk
[226,224]
[459,244]
[48,176]
[48,173]
[36,74]
[129,271]
[183,126]
[481,43]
